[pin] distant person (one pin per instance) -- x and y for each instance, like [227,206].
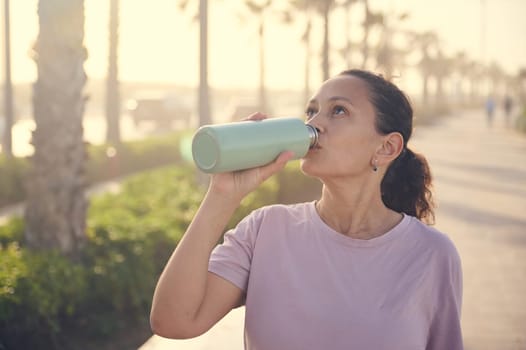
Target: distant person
[508,106]
[490,110]
[358,268]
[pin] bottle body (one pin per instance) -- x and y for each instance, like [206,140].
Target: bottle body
[248,144]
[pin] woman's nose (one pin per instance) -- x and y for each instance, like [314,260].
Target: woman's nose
[315,123]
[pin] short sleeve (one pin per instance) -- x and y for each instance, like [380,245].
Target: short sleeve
[445,331]
[232,259]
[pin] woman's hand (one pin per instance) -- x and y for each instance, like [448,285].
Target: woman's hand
[236,185]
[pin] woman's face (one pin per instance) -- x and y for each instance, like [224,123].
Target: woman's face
[348,139]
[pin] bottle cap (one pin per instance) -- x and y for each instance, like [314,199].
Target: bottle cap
[313,135]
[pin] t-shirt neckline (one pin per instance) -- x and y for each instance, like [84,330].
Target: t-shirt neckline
[396,231]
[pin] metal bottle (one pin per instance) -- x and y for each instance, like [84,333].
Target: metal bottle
[248,144]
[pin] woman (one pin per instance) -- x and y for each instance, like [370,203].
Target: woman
[356,269]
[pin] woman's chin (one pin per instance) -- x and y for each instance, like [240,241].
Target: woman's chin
[309,167]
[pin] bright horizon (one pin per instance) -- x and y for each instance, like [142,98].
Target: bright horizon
[159,43]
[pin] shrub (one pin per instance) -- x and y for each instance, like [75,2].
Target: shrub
[45,299]
[107,161]
[520,123]
[37,290]
[12,178]
[12,231]
[48,301]
[104,162]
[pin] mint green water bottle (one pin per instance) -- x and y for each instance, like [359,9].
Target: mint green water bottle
[248,144]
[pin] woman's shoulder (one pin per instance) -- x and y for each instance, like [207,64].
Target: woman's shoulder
[432,239]
[274,217]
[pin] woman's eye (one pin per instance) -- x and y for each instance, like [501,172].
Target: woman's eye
[310,113]
[338,110]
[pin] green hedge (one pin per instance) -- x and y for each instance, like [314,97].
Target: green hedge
[50,302]
[13,174]
[104,162]
[45,299]
[520,123]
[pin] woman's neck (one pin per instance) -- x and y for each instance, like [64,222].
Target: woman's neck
[356,212]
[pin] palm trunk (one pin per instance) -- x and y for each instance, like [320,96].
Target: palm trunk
[365,40]
[326,46]
[348,35]
[204,102]
[424,70]
[113,134]
[8,86]
[306,93]
[262,88]
[439,90]
[425,89]
[56,206]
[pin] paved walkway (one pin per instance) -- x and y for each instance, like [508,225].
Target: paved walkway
[480,182]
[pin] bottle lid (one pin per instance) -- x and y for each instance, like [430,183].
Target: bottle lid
[313,134]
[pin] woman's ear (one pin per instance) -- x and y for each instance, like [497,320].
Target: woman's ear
[390,149]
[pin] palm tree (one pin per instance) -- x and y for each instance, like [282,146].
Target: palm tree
[260,10]
[8,86]
[388,57]
[203,94]
[496,76]
[306,7]
[424,42]
[346,4]
[521,87]
[204,99]
[306,40]
[113,135]
[324,8]
[475,73]
[56,207]
[460,66]
[371,19]
[442,68]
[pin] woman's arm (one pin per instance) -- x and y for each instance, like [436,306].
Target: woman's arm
[445,331]
[188,300]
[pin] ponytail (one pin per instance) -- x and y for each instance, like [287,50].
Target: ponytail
[406,186]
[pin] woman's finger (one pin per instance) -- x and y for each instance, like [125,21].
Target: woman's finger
[268,170]
[256,116]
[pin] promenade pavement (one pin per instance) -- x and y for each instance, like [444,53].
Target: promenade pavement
[480,188]
[480,182]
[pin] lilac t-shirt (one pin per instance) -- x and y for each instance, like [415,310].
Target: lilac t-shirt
[310,287]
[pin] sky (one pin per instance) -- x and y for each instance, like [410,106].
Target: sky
[159,43]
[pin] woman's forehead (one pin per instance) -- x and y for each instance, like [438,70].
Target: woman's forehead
[347,86]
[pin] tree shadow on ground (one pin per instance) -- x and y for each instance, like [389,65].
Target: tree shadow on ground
[496,187]
[498,173]
[499,227]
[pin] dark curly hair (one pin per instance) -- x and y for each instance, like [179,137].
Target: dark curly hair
[406,186]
